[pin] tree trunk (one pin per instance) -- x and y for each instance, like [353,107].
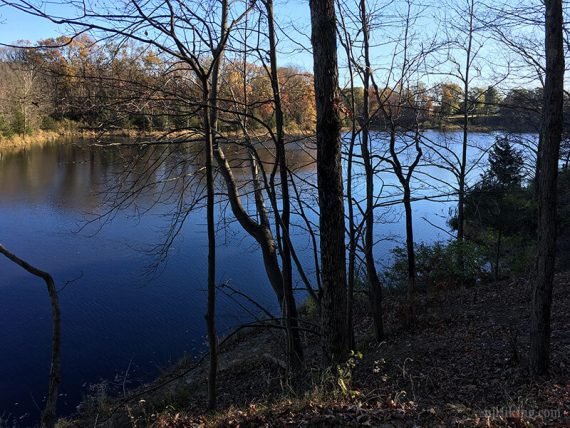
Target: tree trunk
[211,305]
[410,245]
[50,411]
[352,235]
[374,285]
[352,229]
[463,166]
[210,128]
[294,346]
[261,234]
[329,178]
[548,170]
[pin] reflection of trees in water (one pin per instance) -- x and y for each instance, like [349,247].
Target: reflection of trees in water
[170,178]
[165,178]
[90,178]
[68,175]
[87,177]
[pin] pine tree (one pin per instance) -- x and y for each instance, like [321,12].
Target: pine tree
[499,202]
[492,100]
[505,166]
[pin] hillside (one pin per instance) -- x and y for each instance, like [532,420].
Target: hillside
[463,365]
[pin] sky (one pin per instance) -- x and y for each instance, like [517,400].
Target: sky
[293,17]
[16,25]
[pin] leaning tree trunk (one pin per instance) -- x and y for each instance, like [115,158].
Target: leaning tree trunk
[50,411]
[548,171]
[329,178]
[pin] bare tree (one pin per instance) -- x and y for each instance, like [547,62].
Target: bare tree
[466,82]
[374,285]
[397,105]
[361,127]
[285,215]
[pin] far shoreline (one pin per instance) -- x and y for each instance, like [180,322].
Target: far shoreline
[41,137]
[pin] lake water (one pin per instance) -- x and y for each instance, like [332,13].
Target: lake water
[115,314]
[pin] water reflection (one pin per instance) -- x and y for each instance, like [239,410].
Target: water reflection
[111,313]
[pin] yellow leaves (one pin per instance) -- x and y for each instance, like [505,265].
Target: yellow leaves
[151,59]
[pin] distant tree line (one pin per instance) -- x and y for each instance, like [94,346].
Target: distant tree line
[128,86]
[77,82]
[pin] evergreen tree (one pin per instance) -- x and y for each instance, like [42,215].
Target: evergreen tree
[505,166]
[498,206]
[492,99]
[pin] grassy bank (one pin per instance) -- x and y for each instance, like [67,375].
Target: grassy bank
[38,137]
[462,365]
[41,137]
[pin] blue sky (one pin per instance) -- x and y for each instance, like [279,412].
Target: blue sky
[294,19]
[16,25]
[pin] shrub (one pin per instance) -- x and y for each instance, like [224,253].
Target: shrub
[437,266]
[19,125]
[5,129]
[49,124]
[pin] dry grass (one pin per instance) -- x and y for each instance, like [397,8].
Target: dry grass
[39,137]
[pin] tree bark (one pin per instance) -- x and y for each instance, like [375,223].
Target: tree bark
[352,240]
[211,127]
[463,166]
[262,235]
[329,178]
[352,229]
[539,357]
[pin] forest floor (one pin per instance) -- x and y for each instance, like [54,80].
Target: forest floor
[463,364]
